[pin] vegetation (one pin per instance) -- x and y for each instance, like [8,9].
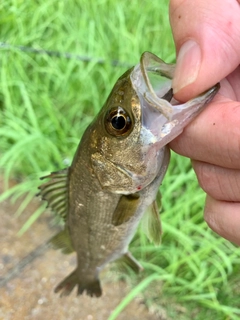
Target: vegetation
[46,102]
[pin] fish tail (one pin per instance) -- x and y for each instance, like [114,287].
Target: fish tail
[92,286]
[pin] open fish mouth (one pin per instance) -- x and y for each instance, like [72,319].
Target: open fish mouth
[162,115]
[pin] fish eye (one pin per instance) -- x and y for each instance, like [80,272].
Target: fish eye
[118,122]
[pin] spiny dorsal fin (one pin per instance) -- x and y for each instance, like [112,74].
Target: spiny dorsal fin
[151,222]
[62,241]
[55,192]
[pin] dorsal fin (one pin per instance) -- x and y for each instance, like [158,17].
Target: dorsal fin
[62,241]
[55,192]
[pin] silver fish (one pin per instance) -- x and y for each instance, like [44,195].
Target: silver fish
[117,170]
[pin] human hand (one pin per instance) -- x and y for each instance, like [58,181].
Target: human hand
[207,39]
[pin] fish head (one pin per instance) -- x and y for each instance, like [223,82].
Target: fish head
[138,120]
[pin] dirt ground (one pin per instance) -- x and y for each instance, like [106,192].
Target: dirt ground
[30,295]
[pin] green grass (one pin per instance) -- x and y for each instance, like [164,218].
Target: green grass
[46,102]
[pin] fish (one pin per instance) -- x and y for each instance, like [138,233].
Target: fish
[116,172]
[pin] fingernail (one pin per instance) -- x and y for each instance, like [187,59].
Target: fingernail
[188,64]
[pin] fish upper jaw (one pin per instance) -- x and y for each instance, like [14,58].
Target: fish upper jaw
[163,117]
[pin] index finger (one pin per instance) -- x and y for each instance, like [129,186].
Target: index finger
[214,136]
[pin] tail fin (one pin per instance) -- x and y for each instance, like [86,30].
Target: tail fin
[92,288]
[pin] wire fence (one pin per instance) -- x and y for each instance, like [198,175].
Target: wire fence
[66,55]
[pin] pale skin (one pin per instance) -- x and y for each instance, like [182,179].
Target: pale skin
[207,39]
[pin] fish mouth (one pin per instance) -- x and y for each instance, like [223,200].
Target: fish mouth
[163,117]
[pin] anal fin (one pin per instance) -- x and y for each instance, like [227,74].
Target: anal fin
[129,259]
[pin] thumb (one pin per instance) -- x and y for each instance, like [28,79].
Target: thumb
[207,39]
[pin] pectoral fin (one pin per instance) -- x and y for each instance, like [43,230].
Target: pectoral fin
[151,222]
[125,209]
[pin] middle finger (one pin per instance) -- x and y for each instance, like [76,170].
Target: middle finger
[214,136]
[220,183]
